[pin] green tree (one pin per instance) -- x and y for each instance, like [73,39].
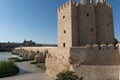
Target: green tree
[68,75]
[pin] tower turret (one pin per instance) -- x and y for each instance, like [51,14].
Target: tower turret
[85,23]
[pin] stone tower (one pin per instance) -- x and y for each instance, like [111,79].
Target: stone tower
[84,23]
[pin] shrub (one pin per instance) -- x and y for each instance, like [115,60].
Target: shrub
[15,59]
[8,68]
[68,75]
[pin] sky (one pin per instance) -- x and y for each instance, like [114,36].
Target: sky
[37,20]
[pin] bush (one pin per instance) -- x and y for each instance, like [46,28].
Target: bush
[68,75]
[15,59]
[8,68]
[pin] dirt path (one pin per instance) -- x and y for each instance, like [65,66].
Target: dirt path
[30,76]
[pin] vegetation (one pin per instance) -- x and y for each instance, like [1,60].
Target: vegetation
[68,75]
[33,62]
[41,66]
[16,59]
[14,53]
[8,68]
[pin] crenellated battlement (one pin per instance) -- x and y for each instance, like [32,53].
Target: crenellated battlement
[103,47]
[65,5]
[69,3]
[108,5]
[82,3]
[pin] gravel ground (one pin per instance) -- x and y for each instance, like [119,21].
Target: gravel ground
[30,76]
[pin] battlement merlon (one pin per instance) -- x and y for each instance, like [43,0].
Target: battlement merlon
[82,2]
[118,46]
[70,2]
[103,2]
[104,47]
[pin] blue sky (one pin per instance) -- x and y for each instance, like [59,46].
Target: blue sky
[37,20]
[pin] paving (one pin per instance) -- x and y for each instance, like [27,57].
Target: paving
[30,76]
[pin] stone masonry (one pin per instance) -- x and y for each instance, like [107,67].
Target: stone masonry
[85,23]
[86,42]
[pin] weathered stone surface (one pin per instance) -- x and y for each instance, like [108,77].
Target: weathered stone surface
[111,46]
[83,61]
[103,46]
[98,72]
[31,56]
[95,46]
[40,57]
[85,23]
[25,55]
[57,60]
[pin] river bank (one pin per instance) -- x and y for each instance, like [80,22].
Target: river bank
[25,67]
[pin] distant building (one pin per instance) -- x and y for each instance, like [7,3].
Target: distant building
[28,43]
[9,46]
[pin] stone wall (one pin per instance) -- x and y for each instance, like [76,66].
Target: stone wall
[98,72]
[91,62]
[74,25]
[96,55]
[96,62]
[87,24]
[57,60]
[33,53]
[104,23]
[64,25]
[87,61]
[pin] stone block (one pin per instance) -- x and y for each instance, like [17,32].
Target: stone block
[88,46]
[40,58]
[111,46]
[95,47]
[25,55]
[31,56]
[103,46]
